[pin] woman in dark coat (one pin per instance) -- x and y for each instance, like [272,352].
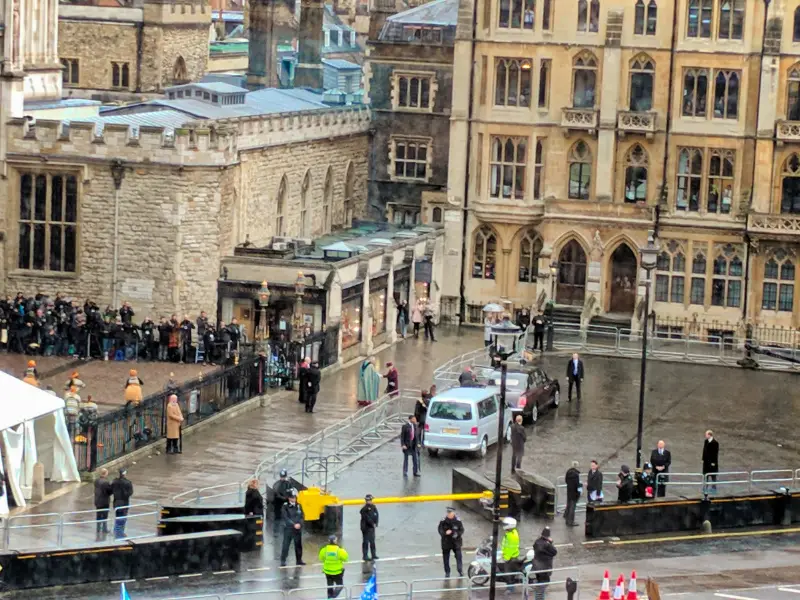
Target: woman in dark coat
[253,500]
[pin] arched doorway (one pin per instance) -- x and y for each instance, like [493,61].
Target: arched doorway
[571,287]
[623,280]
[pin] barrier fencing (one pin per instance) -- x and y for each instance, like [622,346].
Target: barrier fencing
[51,531]
[697,484]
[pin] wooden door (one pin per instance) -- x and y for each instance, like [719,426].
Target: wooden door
[623,280]
[571,285]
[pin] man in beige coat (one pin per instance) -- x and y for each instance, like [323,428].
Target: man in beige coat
[174,420]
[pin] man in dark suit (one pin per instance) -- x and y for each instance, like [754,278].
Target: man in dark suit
[661,459]
[302,380]
[313,377]
[710,462]
[575,375]
[408,441]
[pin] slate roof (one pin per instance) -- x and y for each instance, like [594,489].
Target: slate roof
[437,12]
[341,64]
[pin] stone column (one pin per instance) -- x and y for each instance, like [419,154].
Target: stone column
[594,274]
[504,272]
[366,319]
[609,100]
[391,306]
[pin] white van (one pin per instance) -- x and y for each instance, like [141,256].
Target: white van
[464,418]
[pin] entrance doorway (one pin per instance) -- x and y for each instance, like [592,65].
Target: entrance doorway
[571,287]
[623,280]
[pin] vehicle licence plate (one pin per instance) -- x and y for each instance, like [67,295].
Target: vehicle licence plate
[451,430]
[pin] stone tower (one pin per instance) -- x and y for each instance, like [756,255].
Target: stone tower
[309,56]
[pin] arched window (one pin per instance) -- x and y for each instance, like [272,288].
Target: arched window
[179,73]
[508,167]
[731,19]
[700,14]
[642,74]
[645,17]
[790,185]
[690,178]
[670,273]
[516,14]
[695,92]
[720,181]
[584,80]
[327,196]
[778,289]
[513,82]
[726,285]
[280,206]
[538,173]
[580,171]
[349,190]
[636,163]
[304,229]
[484,254]
[529,249]
[726,95]
[588,16]
[793,92]
[796,29]
[697,294]
[436,215]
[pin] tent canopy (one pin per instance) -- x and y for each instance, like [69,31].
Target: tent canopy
[21,402]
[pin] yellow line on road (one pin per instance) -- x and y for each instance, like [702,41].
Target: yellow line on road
[705,536]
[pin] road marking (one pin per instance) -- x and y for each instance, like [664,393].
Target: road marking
[786,589]
[706,536]
[732,597]
[223,572]
[417,556]
[157,578]
[123,581]
[563,545]
[259,569]
[188,575]
[593,542]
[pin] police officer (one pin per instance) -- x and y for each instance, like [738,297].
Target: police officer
[280,494]
[292,517]
[510,548]
[333,558]
[369,521]
[451,530]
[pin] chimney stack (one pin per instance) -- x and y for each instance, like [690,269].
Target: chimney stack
[380,11]
[309,56]
[263,46]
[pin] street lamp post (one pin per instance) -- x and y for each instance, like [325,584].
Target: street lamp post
[263,298]
[553,276]
[649,257]
[299,290]
[505,336]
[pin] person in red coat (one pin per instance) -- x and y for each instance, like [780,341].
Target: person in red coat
[392,380]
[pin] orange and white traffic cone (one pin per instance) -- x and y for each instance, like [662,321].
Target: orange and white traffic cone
[619,591]
[605,591]
[632,594]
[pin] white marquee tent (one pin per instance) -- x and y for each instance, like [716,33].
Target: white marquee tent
[32,429]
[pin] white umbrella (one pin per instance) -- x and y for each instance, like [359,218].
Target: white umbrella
[492,307]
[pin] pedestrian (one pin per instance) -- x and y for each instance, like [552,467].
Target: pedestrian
[280,494]
[392,380]
[421,409]
[524,319]
[369,522]
[313,378]
[122,490]
[573,481]
[253,500]
[488,323]
[333,558]
[302,382]
[72,405]
[369,383]
[428,314]
[102,501]
[408,441]
[31,374]
[645,483]
[451,530]
[710,463]
[133,388]
[624,484]
[149,340]
[416,318]
[186,327]
[518,439]
[661,459]
[174,422]
[575,375]
[467,377]
[164,331]
[74,380]
[594,483]
[292,516]
[538,331]
[543,554]
[402,318]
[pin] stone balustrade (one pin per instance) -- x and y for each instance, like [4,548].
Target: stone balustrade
[788,131]
[584,119]
[630,121]
[781,224]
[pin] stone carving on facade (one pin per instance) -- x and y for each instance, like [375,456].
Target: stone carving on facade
[597,246]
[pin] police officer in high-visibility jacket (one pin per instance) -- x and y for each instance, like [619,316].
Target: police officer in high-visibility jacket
[510,548]
[333,558]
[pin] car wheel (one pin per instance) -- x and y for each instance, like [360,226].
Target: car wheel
[556,398]
[433,452]
[484,447]
[535,413]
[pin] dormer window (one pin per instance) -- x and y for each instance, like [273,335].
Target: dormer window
[206,96]
[214,98]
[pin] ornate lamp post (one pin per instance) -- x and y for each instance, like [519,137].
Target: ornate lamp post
[505,335]
[649,257]
[553,275]
[263,298]
[299,290]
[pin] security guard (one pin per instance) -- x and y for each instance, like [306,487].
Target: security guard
[451,530]
[31,374]
[369,521]
[292,517]
[280,495]
[333,558]
[510,547]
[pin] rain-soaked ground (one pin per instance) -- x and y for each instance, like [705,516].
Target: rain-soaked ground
[755,417]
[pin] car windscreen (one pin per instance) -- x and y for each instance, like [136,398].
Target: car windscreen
[514,383]
[450,411]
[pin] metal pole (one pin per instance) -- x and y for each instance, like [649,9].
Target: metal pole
[498,475]
[643,376]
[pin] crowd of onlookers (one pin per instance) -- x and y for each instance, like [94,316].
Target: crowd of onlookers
[60,326]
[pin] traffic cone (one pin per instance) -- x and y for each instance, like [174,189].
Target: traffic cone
[605,592]
[632,594]
[619,592]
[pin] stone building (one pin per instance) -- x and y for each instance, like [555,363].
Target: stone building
[409,73]
[147,45]
[582,124]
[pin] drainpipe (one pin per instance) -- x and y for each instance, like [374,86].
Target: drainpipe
[668,125]
[462,303]
[118,174]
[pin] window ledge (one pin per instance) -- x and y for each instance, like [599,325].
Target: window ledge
[43,274]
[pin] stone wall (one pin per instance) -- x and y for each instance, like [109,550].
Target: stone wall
[95,45]
[161,48]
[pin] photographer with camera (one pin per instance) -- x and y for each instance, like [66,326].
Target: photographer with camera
[149,339]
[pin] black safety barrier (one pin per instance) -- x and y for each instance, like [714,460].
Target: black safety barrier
[538,494]
[662,516]
[113,561]
[172,511]
[467,481]
[251,527]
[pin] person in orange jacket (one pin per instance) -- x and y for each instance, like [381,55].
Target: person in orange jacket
[133,388]
[31,374]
